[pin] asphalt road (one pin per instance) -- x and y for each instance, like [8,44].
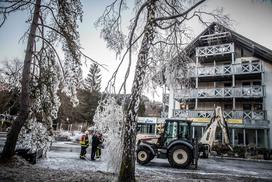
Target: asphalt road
[212,169]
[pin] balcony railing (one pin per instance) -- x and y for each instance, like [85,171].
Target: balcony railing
[165,98]
[164,114]
[246,116]
[215,50]
[224,70]
[229,92]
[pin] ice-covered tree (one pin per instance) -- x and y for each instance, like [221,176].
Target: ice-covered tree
[52,25]
[93,80]
[11,73]
[160,28]
[108,120]
[10,76]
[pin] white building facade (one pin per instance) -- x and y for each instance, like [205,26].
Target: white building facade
[233,72]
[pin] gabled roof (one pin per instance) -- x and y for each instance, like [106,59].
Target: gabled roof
[258,50]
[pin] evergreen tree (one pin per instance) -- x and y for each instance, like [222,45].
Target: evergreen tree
[93,80]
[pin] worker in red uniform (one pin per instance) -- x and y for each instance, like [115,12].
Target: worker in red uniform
[84,143]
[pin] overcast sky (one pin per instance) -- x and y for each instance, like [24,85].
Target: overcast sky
[252,19]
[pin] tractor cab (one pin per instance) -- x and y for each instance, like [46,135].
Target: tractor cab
[173,130]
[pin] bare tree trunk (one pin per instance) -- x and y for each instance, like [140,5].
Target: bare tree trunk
[9,148]
[127,169]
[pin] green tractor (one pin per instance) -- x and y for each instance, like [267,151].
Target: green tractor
[175,144]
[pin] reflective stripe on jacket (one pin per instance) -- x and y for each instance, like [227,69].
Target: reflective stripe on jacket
[84,141]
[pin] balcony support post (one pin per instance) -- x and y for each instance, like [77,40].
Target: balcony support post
[265,138]
[256,137]
[244,136]
[171,102]
[233,136]
[232,58]
[262,73]
[197,71]
[196,85]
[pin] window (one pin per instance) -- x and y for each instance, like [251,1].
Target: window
[198,132]
[227,84]
[257,83]
[238,137]
[246,84]
[146,128]
[257,107]
[242,52]
[250,137]
[182,106]
[261,138]
[175,130]
[246,106]
[171,132]
[183,131]
[227,106]
[191,106]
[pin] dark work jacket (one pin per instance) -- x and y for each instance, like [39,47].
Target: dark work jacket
[95,141]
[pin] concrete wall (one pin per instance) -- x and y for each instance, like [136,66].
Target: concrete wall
[268,95]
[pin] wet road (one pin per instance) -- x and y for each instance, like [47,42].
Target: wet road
[215,169]
[212,169]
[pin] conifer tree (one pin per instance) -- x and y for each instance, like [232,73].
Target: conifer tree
[93,80]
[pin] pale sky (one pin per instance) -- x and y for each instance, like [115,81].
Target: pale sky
[252,19]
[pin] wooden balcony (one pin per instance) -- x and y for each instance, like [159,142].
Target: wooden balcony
[225,70]
[214,37]
[246,117]
[220,49]
[229,92]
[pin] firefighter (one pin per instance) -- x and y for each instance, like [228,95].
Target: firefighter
[84,143]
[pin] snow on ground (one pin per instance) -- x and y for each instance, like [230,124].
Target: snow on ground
[71,161]
[19,171]
[63,164]
[66,144]
[160,170]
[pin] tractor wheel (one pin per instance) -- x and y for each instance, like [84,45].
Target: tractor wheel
[180,156]
[143,155]
[152,157]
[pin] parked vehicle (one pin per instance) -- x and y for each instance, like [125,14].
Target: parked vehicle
[175,144]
